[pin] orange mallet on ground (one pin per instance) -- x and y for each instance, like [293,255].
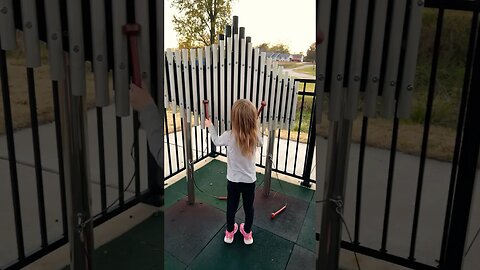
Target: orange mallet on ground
[278,212]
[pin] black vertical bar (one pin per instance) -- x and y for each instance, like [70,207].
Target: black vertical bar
[467,170]
[37,157]
[310,146]
[184,145]
[176,140]
[196,142]
[361,159]
[136,151]
[426,131]
[11,155]
[289,128]
[299,128]
[391,169]
[101,158]
[167,137]
[458,136]
[119,159]
[58,132]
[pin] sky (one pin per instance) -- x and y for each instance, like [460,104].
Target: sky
[291,22]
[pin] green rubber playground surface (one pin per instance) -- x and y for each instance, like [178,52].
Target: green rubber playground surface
[194,233]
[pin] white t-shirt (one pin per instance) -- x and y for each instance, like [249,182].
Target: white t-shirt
[239,167]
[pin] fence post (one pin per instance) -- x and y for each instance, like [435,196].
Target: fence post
[268,163]
[189,160]
[75,152]
[310,149]
[467,169]
[339,139]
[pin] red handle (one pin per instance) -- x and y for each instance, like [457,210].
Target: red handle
[205,103]
[278,212]
[261,108]
[132,30]
[222,198]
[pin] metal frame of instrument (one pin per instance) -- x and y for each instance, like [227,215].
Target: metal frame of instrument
[222,73]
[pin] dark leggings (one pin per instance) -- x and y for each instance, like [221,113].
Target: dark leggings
[248,195]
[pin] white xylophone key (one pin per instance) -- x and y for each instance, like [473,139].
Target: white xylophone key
[411,53]
[99,51]
[54,39]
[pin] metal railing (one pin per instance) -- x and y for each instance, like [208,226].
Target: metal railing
[298,142]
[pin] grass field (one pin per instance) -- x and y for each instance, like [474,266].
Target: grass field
[310,70]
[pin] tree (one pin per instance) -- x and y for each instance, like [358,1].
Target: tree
[310,53]
[278,48]
[200,22]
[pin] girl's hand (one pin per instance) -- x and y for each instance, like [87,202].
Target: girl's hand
[208,123]
[139,97]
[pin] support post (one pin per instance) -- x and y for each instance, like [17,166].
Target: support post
[307,170]
[75,152]
[338,152]
[453,253]
[189,160]
[268,163]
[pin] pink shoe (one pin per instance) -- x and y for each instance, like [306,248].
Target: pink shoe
[247,237]
[229,235]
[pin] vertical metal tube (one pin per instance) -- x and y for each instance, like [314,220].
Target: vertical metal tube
[75,153]
[268,163]
[189,161]
[7,26]
[340,133]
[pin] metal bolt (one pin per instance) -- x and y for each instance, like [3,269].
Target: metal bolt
[410,87]
[420,3]
[392,83]
[28,25]
[356,78]
[339,77]
[76,48]
[4,10]
[375,79]
[54,36]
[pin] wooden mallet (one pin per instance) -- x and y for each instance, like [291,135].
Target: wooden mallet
[205,103]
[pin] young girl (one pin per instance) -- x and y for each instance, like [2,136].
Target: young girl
[241,143]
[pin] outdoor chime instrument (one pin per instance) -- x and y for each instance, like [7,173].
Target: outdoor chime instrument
[224,72]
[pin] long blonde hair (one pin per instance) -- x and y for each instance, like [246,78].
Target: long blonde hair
[245,126]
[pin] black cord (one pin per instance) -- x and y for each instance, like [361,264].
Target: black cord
[339,205]
[471,243]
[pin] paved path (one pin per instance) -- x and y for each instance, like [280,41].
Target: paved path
[292,72]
